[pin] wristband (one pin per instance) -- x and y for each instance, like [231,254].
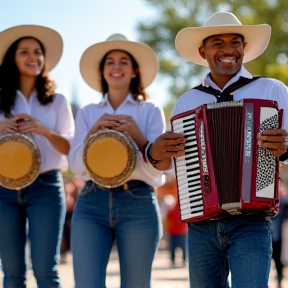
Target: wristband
[150,158]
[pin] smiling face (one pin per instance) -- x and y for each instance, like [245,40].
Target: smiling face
[29,58]
[118,70]
[224,54]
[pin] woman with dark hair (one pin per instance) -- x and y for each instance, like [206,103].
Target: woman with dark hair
[29,106]
[126,213]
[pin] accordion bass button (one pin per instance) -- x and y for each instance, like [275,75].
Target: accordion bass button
[207,183]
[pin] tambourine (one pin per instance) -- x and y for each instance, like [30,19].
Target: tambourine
[109,157]
[19,160]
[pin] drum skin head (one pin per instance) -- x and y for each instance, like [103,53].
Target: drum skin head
[109,157]
[20,160]
[13,166]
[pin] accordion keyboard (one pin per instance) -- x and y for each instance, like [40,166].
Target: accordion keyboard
[188,170]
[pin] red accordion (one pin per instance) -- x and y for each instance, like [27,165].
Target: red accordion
[223,169]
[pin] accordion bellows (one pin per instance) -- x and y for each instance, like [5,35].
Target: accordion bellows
[224,169]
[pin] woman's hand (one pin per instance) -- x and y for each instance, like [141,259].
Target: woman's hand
[11,125]
[120,123]
[31,125]
[105,121]
[127,125]
[28,124]
[274,140]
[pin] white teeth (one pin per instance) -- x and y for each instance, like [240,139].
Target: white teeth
[226,60]
[116,75]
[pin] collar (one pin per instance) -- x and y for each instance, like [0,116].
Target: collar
[129,98]
[21,95]
[208,82]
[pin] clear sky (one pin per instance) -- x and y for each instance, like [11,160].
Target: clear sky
[81,23]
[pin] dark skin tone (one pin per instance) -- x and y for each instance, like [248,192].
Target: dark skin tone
[224,54]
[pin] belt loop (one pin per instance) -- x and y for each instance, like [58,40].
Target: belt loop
[125,186]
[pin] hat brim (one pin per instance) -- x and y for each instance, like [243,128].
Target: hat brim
[92,56]
[188,40]
[51,40]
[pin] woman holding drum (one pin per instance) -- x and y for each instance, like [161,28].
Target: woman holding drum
[117,202]
[36,125]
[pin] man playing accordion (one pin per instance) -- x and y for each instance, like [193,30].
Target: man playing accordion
[238,243]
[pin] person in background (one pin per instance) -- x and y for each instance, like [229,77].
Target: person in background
[240,244]
[277,225]
[177,233]
[71,193]
[27,93]
[128,214]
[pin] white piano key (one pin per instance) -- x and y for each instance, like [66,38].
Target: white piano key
[189,216]
[187,200]
[192,209]
[184,199]
[188,205]
[180,120]
[189,153]
[192,173]
[195,169]
[185,185]
[196,190]
[190,138]
[186,180]
[184,125]
[187,163]
[193,154]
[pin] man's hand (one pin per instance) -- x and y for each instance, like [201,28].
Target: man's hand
[168,145]
[274,140]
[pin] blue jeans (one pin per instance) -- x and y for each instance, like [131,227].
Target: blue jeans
[241,244]
[42,206]
[131,217]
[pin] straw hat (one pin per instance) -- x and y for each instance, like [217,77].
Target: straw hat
[92,56]
[50,39]
[188,40]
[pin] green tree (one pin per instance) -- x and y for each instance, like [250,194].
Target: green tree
[173,15]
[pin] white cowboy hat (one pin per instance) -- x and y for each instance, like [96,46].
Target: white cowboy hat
[188,40]
[51,40]
[92,56]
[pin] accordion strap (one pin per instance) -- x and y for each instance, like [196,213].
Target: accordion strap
[226,94]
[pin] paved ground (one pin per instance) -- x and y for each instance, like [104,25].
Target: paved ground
[163,275]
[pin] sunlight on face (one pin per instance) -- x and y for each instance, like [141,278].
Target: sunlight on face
[224,53]
[29,58]
[118,70]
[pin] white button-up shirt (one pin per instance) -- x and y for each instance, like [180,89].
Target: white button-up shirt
[149,119]
[56,116]
[262,88]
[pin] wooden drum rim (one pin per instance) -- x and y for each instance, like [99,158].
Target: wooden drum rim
[32,174]
[129,145]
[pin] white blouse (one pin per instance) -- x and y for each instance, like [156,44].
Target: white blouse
[148,117]
[56,116]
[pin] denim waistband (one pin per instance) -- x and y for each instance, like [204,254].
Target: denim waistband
[126,186]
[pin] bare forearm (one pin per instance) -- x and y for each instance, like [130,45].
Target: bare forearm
[58,142]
